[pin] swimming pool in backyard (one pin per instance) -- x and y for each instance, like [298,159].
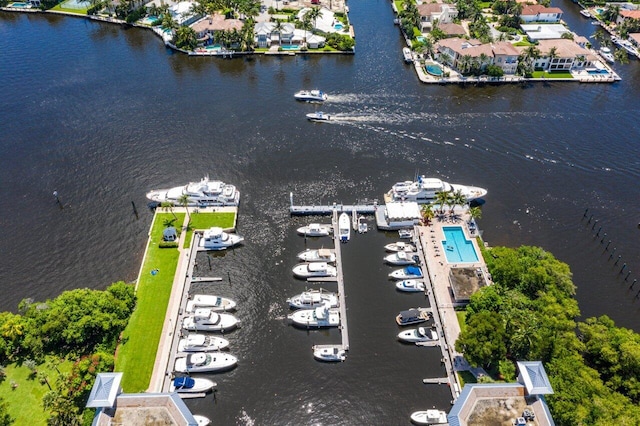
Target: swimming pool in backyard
[456,246]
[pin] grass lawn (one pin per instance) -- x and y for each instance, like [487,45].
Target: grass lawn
[399,5]
[462,320]
[206,221]
[485,5]
[60,7]
[24,403]
[523,42]
[545,74]
[466,377]
[137,353]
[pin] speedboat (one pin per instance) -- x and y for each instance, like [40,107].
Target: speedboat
[201,420]
[344,228]
[318,255]
[314,269]
[315,230]
[191,385]
[628,46]
[408,273]
[318,116]
[410,286]
[312,299]
[605,52]
[202,343]
[322,317]
[424,190]
[204,319]
[329,353]
[214,303]
[400,246]
[429,417]
[204,193]
[405,233]
[201,362]
[585,13]
[401,258]
[408,57]
[216,239]
[362,225]
[311,96]
[413,316]
[420,334]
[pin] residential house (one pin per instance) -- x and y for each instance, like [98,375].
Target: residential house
[182,13]
[459,51]
[635,39]
[432,12]
[266,36]
[326,22]
[540,13]
[207,27]
[452,30]
[568,56]
[537,32]
[505,55]
[627,15]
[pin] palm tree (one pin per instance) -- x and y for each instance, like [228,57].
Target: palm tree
[442,198]
[184,202]
[484,60]
[458,198]
[427,213]
[426,47]
[168,205]
[475,213]
[248,35]
[278,29]
[444,58]
[465,63]
[621,56]
[313,14]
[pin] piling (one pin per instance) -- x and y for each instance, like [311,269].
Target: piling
[635,280]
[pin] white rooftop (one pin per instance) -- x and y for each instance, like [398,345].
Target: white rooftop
[404,210]
[534,378]
[544,31]
[105,390]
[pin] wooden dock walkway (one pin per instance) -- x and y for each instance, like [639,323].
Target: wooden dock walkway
[436,381]
[341,294]
[366,208]
[205,279]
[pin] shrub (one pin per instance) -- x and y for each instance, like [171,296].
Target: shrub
[166,244]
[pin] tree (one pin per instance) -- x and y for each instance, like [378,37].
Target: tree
[494,71]
[426,47]
[427,213]
[248,35]
[278,29]
[185,38]
[475,212]
[168,23]
[442,199]
[184,201]
[5,418]
[621,56]
[313,14]
[482,342]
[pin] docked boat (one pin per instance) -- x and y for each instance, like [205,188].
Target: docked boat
[420,334]
[413,316]
[406,53]
[311,96]
[408,273]
[362,225]
[329,353]
[215,303]
[201,420]
[322,317]
[204,319]
[429,417]
[629,47]
[201,362]
[344,228]
[315,230]
[585,13]
[312,299]
[401,258]
[314,269]
[191,385]
[216,239]
[202,343]
[400,246]
[318,116]
[405,233]
[318,255]
[204,193]
[605,52]
[411,286]
[424,190]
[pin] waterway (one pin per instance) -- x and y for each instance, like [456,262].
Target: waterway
[103,114]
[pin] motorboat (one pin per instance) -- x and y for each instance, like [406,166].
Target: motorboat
[315,230]
[401,258]
[362,225]
[344,228]
[204,193]
[322,317]
[420,334]
[629,47]
[406,53]
[215,303]
[191,385]
[216,239]
[411,286]
[311,96]
[329,353]
[314,269]
[204,319]
[202,362]
[400,246]
[429,417]
[318,255]
[405,233]
[312,299]
[585,13]
[424,190]
[202,343]
[605,52]
[201,420]
[413,316]
[318,116]
[408,273]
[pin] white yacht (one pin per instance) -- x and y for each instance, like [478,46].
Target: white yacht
[411,286]
[214,303]
[344,228]
[629,47]
[191,385]
[318,255]
[605,52]
[585,13]
[401,258]
[202,343]
[206,320]
[362,225]
[201,362]
[321,317]
[406,53]
[400,246]
[405,233]
[312,299]
[420,334]
[408,273]
[204,193]
[413,316]
[311,96]
[314,269]
[201,420]
[315,230]
[429,417]
[318,116]
[216,239]
[424,190]
[329,353]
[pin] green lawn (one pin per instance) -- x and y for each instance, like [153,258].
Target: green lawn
[523,42]
[466,377]
[137,352]
[485,5]
[206,221]
[462,320]
[399,5]
[545,74]
[60,7]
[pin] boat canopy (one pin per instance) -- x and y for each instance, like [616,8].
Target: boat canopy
[183,382]
[413,270]
[411,313]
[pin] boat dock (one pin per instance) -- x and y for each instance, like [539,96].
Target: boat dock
[366,208]
[205,279]
[341,294]
[436,381]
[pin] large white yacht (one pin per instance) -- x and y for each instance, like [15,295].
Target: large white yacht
[200,362]
[321,317]
[206,320]
[424,190]
[204,193]
[216,239]
[202,343]
[312,299]
[215,303]
[318,255]
[314,269]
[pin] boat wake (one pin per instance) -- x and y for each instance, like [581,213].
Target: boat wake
[246,420]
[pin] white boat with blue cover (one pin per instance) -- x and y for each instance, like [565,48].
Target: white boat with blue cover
[311,96]
[408,273]
[201,362]
[191,385]
[202,343]
[410,286]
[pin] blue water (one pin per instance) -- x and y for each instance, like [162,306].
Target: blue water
[457,247]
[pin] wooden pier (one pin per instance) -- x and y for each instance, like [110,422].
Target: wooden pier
[368,208]
[341,294]
[436,381]
[205,279]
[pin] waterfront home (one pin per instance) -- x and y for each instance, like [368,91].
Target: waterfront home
[460,51]
[537,32]
[432,12]
[581,41]
[452,29]
[539,13]
[266,36]
[567,55]
[326,22]
[627,15]
[183,14]
[207,27]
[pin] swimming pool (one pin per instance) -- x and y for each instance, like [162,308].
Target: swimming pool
[338,26]
[434,69]
[290,47]
[214,47]
[597,72]
[21,5]
[456,246]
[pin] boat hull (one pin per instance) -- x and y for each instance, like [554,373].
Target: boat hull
[329,354]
